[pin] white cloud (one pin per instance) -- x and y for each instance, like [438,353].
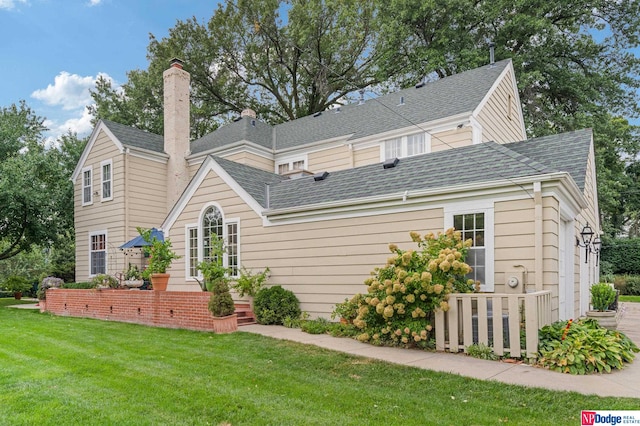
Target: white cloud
[80,124]
[70,91]
[10,4]
[92,2]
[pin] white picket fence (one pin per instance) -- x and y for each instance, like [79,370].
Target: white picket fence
[482,317]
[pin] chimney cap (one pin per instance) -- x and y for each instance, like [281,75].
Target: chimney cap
[176,63]
[248,112]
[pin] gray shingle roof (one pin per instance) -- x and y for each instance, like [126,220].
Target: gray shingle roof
[250,179]
[566,152]
[472,164]
[457,94]
[130,136]
[246,128]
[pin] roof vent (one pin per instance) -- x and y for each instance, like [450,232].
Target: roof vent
[253,123]
[337,109]
[390,163]
[248,112]
[320,176]
[421,84]
[317,114]
[492,59]
[401,101]
[361,100]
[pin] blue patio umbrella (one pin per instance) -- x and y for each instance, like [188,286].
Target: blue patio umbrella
[140,242]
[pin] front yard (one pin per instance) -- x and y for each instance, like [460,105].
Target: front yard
[57,370]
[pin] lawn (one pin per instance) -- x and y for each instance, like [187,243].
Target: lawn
[62,371]
[635,299]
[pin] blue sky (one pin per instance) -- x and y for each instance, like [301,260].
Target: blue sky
[52,51]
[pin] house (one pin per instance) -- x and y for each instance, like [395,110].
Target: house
[319,199]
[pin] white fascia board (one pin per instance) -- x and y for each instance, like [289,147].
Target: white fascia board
[516,99]
[147,154]
[417,200]
[92,140]
[208,165]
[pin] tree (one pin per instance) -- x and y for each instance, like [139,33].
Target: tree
[249,55]
[32,184]
[288,59]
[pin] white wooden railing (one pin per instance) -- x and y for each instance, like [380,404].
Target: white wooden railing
[481,317]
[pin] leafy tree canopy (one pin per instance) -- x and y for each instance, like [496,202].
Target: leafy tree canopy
[36,196]
[291,58]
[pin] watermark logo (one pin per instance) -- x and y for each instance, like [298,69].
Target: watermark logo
[610,418]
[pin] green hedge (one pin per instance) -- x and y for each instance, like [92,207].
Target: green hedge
[621,256]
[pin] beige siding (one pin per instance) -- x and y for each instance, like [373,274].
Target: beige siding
[100,215]
[451,139]
[362,157]
[551,242]
[146,205]
[137,201]
[323,262]
[514,241]
[499,117]
[338,158]
[252,160]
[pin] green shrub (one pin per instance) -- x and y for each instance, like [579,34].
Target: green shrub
[403,295]
[105,280]
[16,284]
[623,254]
[482,351]
[249,283]
[80,285]
[273,304]
[632,285]
[583,347]
[348,310]
[316,326]
[221,303]
[602,296]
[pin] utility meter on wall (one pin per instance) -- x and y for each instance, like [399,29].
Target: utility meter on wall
[513,282]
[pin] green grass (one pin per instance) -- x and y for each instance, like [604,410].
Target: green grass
[635,299]
[68,371]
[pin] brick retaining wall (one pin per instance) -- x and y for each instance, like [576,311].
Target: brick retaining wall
[171,309]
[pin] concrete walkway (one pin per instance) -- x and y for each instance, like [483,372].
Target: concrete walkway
[625,383]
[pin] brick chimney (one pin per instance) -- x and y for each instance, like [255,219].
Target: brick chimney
[176,129]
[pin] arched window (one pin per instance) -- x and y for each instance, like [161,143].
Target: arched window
[202,237]
[212,230]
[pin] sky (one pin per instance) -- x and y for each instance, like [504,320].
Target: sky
[52,51]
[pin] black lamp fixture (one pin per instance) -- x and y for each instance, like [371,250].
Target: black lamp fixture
[596,245]
[587,235]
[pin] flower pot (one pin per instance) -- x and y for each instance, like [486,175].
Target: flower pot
[606,319]
[17,295]
[133,283]
[160,281]
[227,324]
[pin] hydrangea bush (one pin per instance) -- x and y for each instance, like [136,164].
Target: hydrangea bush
[46,283]
[403,295]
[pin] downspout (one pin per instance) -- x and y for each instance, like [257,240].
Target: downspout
[125,156]
[538,236]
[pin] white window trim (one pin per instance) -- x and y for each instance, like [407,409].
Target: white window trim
[106,251]
[108,162]
[187,257]
[236,221]
[489,237]
[403,145]
[90,170]
[290,161]
[225,237]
